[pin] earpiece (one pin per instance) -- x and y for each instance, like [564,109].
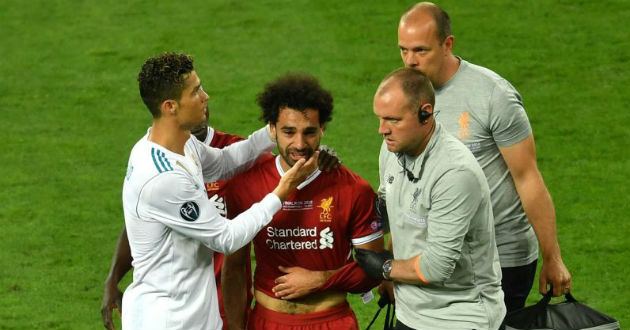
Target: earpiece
[423,115]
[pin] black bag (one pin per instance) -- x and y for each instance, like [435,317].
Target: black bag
[567,315]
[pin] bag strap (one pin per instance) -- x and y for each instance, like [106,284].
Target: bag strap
[389,320]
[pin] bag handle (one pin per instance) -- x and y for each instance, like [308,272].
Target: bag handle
[547,297]
[389,316]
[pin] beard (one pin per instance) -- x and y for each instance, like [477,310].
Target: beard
[287,154]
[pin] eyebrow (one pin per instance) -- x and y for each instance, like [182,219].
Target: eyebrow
[292,128]
[416,48]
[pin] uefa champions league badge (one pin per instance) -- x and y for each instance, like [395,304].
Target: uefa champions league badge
[189,211]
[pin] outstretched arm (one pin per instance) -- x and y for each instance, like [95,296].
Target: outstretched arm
[112,296]
[521,160]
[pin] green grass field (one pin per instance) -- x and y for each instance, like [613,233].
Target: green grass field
[71,112]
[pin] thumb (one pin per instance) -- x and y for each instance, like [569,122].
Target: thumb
[284,269]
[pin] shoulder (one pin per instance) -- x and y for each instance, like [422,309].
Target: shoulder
[480,73]
[222,139]
[265,166]
[481,78]
[345,177]
[151,157]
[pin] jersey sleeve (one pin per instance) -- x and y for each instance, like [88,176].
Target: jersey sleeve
[508,120]
[176,201]
[456,198]
[366,225]
[222,164]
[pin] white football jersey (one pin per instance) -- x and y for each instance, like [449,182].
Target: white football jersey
[173,230]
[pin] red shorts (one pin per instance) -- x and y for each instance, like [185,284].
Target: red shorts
[337,318]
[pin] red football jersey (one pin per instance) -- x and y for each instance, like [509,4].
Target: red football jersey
[317,226]
[216,193]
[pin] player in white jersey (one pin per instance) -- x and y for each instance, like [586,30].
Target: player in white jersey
[172,227]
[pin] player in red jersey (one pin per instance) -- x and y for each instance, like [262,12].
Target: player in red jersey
[304,265]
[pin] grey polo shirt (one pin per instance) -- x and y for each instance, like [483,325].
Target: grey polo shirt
[446,217]
[485,112]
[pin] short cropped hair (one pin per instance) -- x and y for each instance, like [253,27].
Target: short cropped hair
[415,85]
[162,78]
[298,91]
[440,16]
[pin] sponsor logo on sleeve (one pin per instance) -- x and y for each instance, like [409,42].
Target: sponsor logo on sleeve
[189,211]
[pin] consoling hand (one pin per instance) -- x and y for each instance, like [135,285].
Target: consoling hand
[328,159]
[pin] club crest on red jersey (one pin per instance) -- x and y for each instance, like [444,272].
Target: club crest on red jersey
[326,206]
[212,186]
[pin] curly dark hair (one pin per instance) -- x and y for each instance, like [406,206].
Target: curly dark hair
[162,78]
[298,91]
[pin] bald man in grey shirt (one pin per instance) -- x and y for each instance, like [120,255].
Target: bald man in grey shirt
[445,266]
[485,112]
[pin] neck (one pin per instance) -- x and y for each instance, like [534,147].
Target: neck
[451,65]
[169,135]
[425,140]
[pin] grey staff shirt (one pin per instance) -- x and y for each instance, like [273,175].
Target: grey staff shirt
[485,112]
[446,217]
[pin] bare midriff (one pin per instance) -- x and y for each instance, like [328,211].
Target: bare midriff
[313,302]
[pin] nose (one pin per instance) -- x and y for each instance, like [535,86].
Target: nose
[409,60]
[205,95]
[299,142]
[382,127]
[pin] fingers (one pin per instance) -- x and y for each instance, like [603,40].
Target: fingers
[283,291]
[108,322]
[328,159]
[311,164]
[564,287]
[542,285]
[280,280]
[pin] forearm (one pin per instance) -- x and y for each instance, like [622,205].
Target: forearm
[350,278]
[224,163]
[406,271]
[234,289]
[121,261]
[539,209]
[239,231]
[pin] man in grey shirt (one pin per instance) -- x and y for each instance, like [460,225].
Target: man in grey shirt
[445,264]
[486,113]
